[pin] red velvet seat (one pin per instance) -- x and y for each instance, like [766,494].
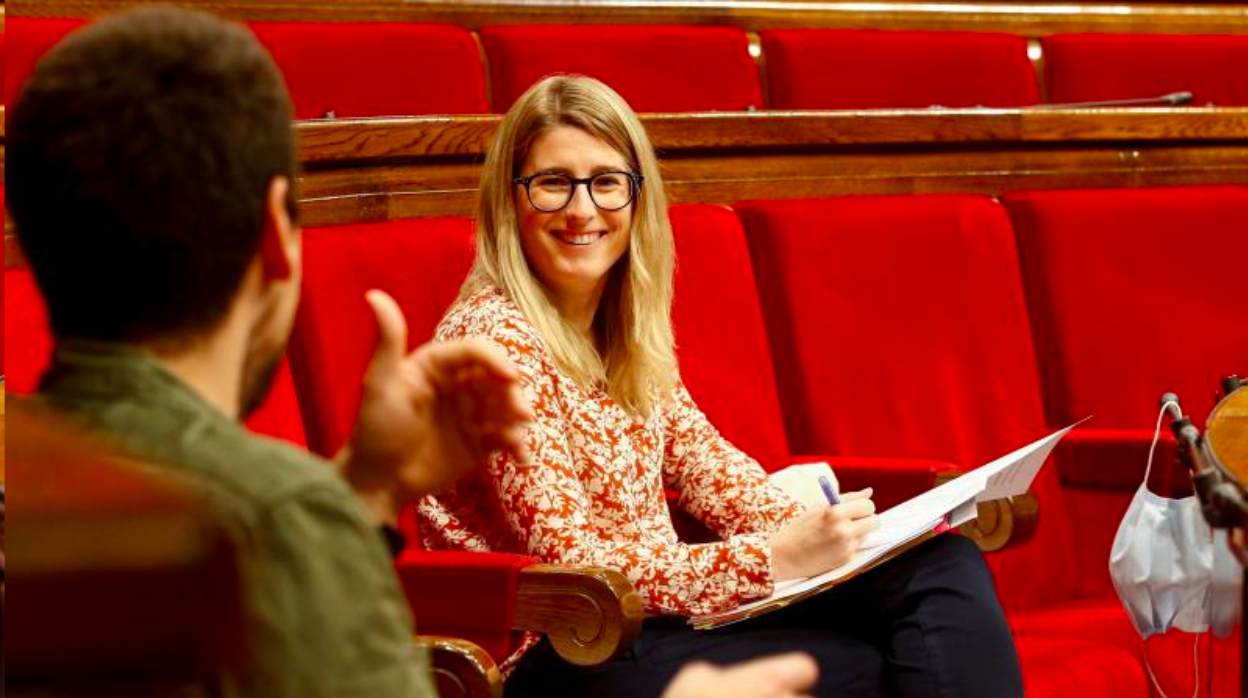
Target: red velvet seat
[356,69]
[1086,67]
[867,69]
[657,68]
[726,363]
[28,349]
[898,327]
[1130,297]
[421,263]
[28,38]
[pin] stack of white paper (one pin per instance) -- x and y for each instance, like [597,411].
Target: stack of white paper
[952,503]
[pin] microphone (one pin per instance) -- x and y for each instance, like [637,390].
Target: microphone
[1173,99]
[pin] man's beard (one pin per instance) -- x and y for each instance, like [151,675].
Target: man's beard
[257,383]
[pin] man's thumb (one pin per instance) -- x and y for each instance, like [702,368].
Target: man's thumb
[392,343]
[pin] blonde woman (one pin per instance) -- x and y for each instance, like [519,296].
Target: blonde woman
[573,279]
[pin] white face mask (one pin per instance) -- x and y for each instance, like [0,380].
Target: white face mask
[1170,569]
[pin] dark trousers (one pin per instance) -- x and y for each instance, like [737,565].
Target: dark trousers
[924,624]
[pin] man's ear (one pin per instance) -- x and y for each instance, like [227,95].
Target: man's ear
[279,242]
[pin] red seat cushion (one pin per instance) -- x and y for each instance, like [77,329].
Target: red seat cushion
[30,350]
[898,328]
[1058,668]
[490,580]
[421,262]
[865,69]
[1170,655]
[1086,67]
[28,38]
[656,68]
[354,69]
[722,345]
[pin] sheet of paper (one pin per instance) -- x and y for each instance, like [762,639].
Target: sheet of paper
[921,514]
[953,503]
[1011,474]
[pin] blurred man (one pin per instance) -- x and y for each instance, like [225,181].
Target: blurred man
[152,165]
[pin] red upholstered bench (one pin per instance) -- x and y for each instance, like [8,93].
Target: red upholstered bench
[898,327]
[354,69]
[1132,294]
[1085,67]
[657,68]
[867,69]
[29,345]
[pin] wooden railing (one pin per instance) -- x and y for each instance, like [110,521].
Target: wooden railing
[370,170]
[381,169]
[1031,19]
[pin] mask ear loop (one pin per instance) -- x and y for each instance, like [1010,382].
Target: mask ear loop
[1175,413]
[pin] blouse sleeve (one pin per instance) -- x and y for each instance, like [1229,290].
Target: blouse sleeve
[548,509]
[718,484]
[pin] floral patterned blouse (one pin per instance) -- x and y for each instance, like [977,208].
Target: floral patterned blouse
[593,490]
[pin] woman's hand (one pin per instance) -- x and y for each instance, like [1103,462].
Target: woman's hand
[822,538]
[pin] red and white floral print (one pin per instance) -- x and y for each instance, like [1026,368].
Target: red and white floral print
[593,491]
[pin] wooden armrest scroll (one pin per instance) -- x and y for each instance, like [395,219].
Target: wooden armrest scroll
[590,614]
[462,669]
[1000,523]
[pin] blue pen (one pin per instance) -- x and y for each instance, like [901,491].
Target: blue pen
[828,491]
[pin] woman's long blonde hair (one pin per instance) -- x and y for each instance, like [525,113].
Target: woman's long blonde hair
[637,363]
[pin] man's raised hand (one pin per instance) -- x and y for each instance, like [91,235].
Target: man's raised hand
[429,416]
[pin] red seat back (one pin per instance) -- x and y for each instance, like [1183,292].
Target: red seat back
[898,328]
[421,262]
[29,352]
[28,38]
[656,68]
[1134,292]
[1087,67]
[28,339]
[720,338]
[865,69]
[356,69]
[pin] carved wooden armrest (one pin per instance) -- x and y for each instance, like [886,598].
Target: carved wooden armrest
[589,614]
[1001,523]
[462,669]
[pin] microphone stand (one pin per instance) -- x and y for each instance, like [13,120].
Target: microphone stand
[1223,504]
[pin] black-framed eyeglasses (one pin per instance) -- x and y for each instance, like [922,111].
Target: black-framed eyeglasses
[552,191]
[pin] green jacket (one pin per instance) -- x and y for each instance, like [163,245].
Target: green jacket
[325,613]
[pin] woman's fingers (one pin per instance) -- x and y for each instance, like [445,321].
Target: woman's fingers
[856,508]
[861,527]
[858,494]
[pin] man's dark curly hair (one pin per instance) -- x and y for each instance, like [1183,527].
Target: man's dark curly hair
[140,155]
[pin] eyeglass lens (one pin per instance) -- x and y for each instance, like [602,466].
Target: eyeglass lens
[610,191]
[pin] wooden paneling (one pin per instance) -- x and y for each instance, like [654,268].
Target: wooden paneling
[382,169]
[373,170]
[1031,19]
